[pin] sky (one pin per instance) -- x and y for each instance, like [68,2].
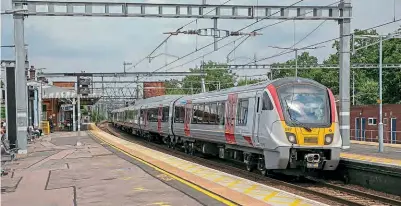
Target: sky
[97,44]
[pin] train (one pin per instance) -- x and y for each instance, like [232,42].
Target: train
[286,124]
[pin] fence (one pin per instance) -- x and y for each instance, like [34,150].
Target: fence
[373,136]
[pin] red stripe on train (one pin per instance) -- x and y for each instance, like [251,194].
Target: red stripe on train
[332,106]
[248,139]
[276,100]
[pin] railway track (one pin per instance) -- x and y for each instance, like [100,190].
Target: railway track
[315,189]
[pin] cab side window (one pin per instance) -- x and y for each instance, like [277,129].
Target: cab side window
[266,102]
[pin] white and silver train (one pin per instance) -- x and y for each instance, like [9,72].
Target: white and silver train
[283,124]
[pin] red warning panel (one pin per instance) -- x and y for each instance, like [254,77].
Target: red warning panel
[231,107]
[187,118]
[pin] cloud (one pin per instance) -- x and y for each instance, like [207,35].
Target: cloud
[102,44]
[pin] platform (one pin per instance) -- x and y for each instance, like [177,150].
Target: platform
[72,169]
[367,152]
[231,187]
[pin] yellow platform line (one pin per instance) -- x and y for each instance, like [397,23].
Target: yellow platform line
[206,192]
[375,144]
[370,158]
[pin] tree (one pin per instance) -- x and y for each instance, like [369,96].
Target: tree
[243,82]
[192,84]
[391,77]
[327,77]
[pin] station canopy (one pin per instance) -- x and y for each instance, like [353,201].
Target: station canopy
[54,92]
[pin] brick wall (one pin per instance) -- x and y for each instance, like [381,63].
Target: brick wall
[372,112]
[64,84]
[153,89]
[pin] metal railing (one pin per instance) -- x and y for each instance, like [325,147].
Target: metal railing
[373,136]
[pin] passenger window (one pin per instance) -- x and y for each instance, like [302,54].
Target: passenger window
[266,102]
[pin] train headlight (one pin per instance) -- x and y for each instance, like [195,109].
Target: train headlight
[291,138]
[328,139]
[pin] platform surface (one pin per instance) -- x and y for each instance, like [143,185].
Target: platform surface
[239,190]
[72,169]
[367,152]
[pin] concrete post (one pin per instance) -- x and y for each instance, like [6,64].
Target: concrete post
[79,112]
[345,27]
[381,146]
[215,34]
[203,85]
[74,124]
[40,104]
[20,87]
[296,63]
[35,108]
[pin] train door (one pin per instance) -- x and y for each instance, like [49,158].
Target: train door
[229,126]
[393,131]
[145,118]
[266,118]
[257,112]
[187,118]
[363,128]
[159,119]
[357,128]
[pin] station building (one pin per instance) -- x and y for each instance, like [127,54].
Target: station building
[365,123]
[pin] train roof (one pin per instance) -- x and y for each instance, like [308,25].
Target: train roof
[149,101]
[256,86]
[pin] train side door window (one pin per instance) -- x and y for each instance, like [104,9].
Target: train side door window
[266,102]
[206,113]
[242,112]
[165,114]
[221,110]
[213,113]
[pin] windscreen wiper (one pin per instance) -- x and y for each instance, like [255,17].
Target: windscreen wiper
[297,123]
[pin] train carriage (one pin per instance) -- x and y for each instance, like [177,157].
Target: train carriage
[156,114]
[283,124]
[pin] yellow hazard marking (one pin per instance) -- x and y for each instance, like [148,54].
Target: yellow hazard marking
[220,178]
[296,202]
[126,178]
[160,203]
[370,158]
[250,189]
[139,189]
[233,183]
[269,196]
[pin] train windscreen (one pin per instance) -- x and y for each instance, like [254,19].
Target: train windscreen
[305,104]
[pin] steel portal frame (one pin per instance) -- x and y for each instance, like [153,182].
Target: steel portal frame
[341,13]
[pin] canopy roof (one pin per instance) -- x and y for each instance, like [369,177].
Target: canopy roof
[54,92]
